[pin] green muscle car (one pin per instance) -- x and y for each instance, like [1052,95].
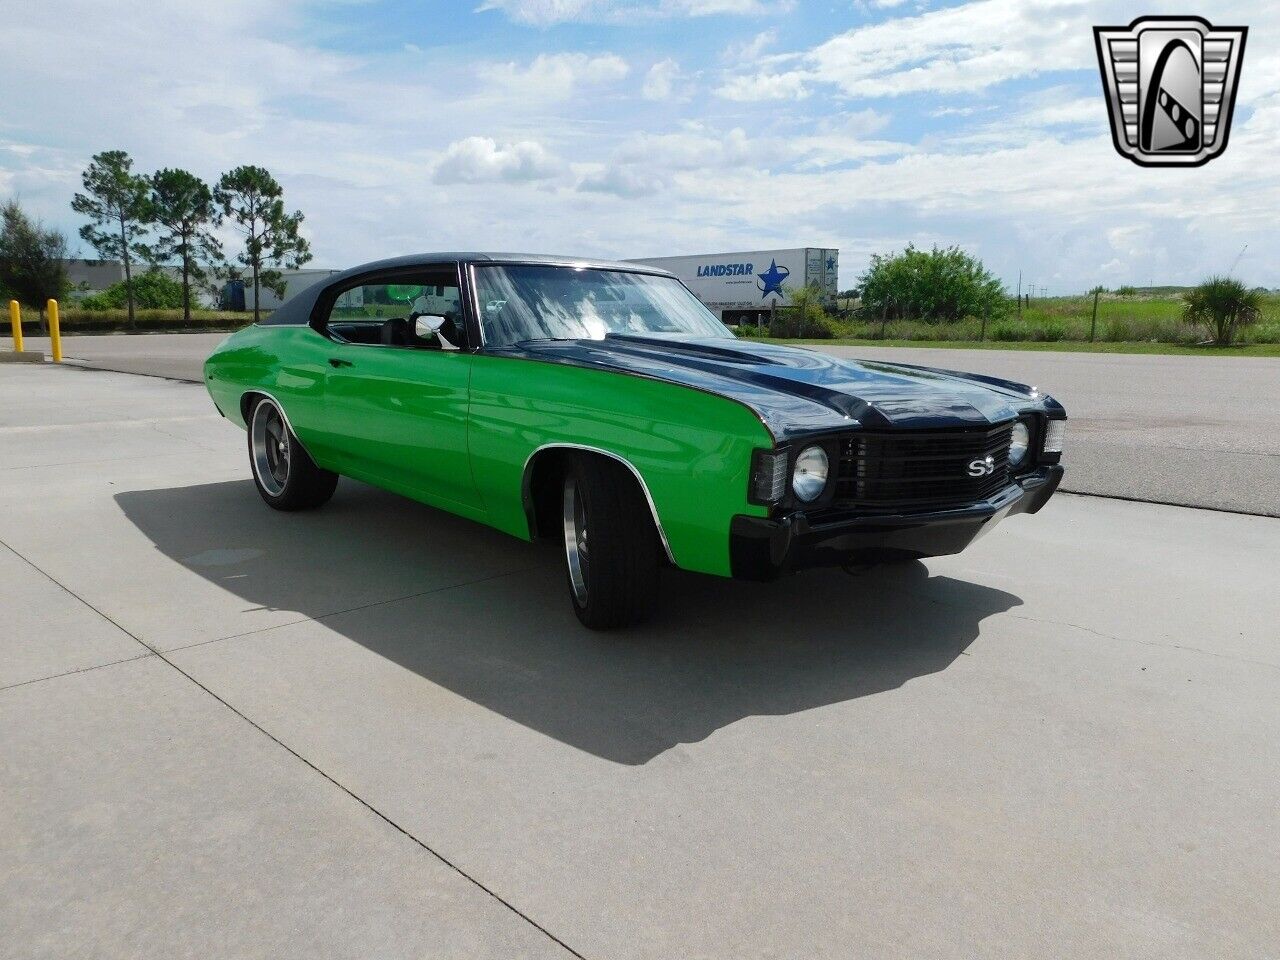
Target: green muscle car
[601,404]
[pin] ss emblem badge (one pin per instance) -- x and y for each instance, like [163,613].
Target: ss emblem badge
[982,468]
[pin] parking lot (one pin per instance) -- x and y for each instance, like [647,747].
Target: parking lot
[377,730]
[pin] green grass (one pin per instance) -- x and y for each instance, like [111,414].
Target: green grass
[1060,346]
[1146,318]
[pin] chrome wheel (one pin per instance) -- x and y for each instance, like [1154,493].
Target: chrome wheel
[269,439]
[575,540]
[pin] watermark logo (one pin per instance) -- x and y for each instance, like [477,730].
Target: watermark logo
[1170,84]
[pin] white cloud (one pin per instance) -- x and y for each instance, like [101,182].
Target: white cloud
[707,8]
[1077,111]
[620,181]
[543,13]
[764,86]
[553,76]
[697,148]
[749,50]
[957,49]
[660,81]
[482,160]
[959,111]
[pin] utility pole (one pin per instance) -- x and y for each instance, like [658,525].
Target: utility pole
[1019,296]
[1093,327]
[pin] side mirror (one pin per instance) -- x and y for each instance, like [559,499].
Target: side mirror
[427,325]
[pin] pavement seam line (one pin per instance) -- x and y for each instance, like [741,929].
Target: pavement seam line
[284,746]
[1166,503]
[78,363]
[376,812]
[76,463]
[45,428]
[71,673]
[1158,644]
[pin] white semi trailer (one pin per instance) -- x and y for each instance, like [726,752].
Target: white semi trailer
[745,287]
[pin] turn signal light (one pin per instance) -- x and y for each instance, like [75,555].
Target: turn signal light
[1055,434]
[769,476]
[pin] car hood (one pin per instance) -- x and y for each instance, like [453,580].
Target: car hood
[796,391]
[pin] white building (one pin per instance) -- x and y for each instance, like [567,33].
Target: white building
[745,287]
[238,294]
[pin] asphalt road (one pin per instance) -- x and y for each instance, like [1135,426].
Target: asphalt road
[1197,431]
[377,730]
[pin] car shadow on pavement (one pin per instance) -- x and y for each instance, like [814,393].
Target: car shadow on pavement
[487,617]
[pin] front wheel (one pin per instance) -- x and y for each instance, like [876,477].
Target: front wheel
[284,473]
[610,545]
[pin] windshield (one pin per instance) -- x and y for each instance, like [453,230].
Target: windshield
[534,302]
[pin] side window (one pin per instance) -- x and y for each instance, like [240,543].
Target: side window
[385,312]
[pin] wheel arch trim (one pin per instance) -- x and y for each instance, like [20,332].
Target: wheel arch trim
[258,391]
[526,486]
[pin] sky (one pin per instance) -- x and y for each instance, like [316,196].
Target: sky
[641,128]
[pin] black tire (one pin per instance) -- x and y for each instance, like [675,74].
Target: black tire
[284,473]
[612,574]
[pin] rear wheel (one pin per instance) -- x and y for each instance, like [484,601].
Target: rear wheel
[284,473]
[610,545]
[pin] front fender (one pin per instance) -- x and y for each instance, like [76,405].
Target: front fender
[690,450]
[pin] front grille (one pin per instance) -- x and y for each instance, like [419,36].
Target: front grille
[914,471]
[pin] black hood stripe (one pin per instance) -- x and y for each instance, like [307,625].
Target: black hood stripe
[795,391]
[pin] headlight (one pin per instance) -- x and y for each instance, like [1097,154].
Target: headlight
[809,478]
[1019,443]
[1054,434]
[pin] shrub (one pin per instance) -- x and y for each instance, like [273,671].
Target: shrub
[936,285]
[820,327]
[1268,332]
[804,317]
[153,290]
[1006,331]
[1224,307]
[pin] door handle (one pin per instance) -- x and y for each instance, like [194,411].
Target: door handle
[338,362]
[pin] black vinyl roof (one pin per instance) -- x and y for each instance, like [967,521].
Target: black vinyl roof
[428,259]
[297,309]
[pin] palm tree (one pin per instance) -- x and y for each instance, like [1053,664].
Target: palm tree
[1223,306]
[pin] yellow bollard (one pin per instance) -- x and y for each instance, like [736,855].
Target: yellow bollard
[55,335]
[15,321]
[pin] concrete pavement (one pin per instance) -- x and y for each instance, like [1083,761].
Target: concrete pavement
[1197,431]
[377,730]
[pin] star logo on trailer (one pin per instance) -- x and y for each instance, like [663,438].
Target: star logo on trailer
[1170,84]
[831,263]
[771,280]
